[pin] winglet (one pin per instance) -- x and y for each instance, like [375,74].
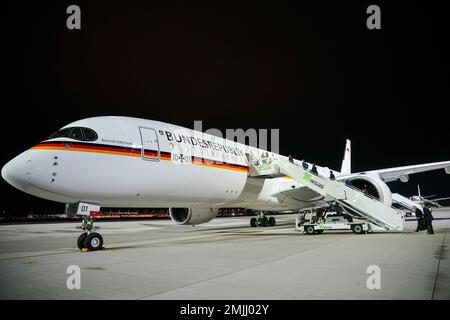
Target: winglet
[346,167]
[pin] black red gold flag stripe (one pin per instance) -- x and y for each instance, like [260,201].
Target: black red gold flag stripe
[131,152]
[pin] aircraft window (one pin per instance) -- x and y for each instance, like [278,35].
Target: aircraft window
[76,134]
[89,134]
[60,134]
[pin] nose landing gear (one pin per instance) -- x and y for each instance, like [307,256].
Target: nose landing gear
[89,240]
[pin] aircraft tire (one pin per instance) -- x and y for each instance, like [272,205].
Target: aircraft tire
[94,241]
[272,221]
[80,241]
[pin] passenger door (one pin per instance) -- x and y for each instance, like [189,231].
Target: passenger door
[150,144]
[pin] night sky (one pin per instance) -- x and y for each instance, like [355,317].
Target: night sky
[313,71]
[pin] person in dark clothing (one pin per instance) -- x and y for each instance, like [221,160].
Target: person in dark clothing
[305,165]
[291,160]
[332,177]
[314,169]
[419,216]
[320,214]
[428,219]
[337,208]
[365,190]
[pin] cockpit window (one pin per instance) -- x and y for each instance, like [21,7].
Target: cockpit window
[76,133]
[89,134]
[60,134]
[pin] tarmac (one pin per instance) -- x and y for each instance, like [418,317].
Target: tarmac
[224,259]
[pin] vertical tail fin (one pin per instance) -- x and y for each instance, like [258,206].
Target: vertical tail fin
[346,167]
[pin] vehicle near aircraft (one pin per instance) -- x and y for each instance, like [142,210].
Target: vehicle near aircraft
[309,222]
[113,161]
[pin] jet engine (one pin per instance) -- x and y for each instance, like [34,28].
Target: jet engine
[374,187]
[192,216]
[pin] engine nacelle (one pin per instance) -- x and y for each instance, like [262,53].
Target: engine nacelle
[192,216]
[374,186]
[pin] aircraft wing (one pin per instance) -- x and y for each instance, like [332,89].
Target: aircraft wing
[403,173]
[440,199]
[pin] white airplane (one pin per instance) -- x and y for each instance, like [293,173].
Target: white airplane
[129,162]
[419,199]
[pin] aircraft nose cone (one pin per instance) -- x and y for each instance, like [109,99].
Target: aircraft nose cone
[17,171]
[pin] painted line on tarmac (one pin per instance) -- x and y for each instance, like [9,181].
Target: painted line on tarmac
[441,250]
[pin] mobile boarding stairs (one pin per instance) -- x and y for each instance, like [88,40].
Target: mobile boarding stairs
[365,206]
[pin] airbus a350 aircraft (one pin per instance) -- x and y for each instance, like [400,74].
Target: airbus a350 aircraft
[129,162]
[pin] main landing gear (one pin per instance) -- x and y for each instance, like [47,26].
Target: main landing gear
[262,221]
[89,240]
